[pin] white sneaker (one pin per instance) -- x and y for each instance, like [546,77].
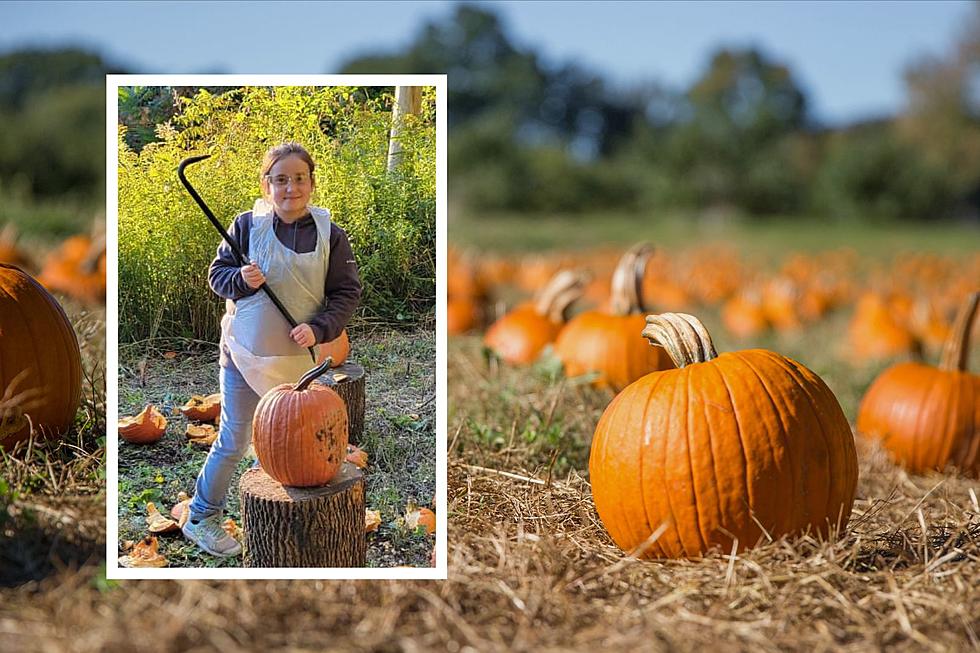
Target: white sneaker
[211,537]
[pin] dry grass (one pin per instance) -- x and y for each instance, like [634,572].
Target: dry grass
[531,567]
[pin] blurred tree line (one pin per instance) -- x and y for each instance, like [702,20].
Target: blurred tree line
[529,136]
[525,136]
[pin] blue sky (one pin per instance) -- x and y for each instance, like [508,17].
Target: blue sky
[848,56]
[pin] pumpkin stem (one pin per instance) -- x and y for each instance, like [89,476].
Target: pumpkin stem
[8,235]
[560,293]
[682,335]
[317,371]
[626,297]
[956,351]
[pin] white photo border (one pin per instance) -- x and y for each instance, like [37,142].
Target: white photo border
[113,569]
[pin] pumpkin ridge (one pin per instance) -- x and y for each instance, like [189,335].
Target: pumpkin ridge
[800,379]
[690,461]
[790,453]
[720,514]
[31,318]
[663,490]
[643,497]
[675,524]
[738,431]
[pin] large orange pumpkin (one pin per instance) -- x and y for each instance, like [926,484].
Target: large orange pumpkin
[606,343]
[519,336]
[40,364]
[720,449]
[929,417]
[299,432]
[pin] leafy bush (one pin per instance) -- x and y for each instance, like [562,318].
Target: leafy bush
[166,243]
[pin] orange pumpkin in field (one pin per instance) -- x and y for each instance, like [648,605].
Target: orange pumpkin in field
[725,447]
[462,315]
[77,269]
[929,417]
[40,363]
[607,342]
[519,336]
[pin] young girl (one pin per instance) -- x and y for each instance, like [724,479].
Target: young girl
[307,262]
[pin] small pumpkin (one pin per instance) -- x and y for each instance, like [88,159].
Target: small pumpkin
[743,314]
[519,336]
[41,370]
[337,350]
[202,409]
[719,449]
[462,315]
[77,269]
[606,342]
[299,431]
[929,417]
[145,428]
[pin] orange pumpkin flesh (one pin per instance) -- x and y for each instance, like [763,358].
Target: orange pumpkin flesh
[40,363]
[300,431]
[719,449]
[145,428]
[202,409]
[520,336]
[929,417]
[607,343]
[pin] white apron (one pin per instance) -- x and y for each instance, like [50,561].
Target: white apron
[253,330]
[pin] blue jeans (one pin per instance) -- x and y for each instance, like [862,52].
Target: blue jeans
[238,402]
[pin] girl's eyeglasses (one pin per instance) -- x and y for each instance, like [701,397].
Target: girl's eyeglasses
[281,181]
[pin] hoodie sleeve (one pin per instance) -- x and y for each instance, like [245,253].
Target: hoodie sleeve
[224,275]
[342,289]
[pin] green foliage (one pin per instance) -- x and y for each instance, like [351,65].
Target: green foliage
[869,173]
[52,107]
[166,244]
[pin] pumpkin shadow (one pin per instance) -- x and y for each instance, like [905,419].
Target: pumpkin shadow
[37,541]
[908,548]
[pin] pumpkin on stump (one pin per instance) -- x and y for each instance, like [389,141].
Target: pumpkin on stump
[40,363]
[929,417]
[519,336]
[299,432]
[724,446]
[606,342]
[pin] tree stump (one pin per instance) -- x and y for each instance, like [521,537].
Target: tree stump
[348,381]
[303,527]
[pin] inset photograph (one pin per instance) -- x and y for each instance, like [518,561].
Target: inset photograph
[277,393]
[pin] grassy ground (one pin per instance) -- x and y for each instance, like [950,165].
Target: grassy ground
[769,238]
[530,566]
[398,436]
[52,494]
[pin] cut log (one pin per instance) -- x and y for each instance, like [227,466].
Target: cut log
[348,381]
[303,527]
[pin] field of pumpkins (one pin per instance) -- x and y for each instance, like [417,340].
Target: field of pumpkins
[804,425]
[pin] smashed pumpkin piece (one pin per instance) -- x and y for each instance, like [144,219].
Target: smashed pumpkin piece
[202,409]
[158,523]
[357,456]
[232,528]
[181,509]
[145,428]
[416,517]
[203,434]
[144,554]
[372,519]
